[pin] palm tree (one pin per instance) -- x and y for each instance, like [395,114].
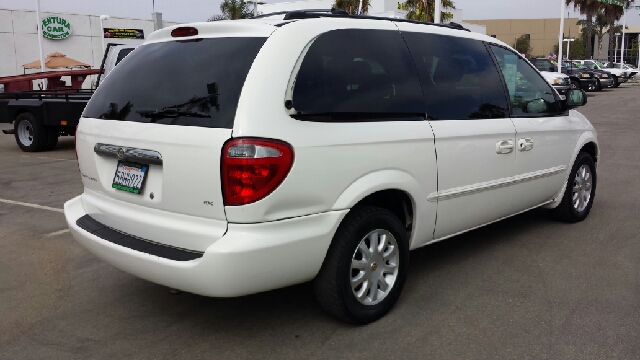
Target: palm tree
[351,6]
[423,10]
[614,13]
[599,25]
[588,8]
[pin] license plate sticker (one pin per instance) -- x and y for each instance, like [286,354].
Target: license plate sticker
[130,177]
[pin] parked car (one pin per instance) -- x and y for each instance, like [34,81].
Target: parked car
[304,147]
[578,79]
[619,75]
[604,79]
[560,81]
[630,69]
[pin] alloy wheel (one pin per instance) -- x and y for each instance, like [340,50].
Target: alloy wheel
[374,267]
[582,185]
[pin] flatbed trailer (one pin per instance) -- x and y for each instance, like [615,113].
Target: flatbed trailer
[41,116]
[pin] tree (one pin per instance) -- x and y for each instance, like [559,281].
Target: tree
[423,10]
[588,8]
[351,6]
[600,24]
[523,45]
[233,10]
[614,13]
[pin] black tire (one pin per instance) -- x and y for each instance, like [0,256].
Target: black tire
[575,84]
[616,83]
[38,135]
[566,211]
[52,140]
[598,85]
[332,285]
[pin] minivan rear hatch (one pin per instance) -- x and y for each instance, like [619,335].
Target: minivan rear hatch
[150,139]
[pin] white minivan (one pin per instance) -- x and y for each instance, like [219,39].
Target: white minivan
[234,157]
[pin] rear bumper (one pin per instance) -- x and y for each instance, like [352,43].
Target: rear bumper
[249,258]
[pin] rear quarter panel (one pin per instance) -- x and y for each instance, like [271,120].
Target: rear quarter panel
[336,164]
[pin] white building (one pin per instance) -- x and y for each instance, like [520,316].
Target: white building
[382,8]
[19,38]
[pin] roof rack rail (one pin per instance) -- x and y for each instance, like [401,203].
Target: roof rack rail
[339,13]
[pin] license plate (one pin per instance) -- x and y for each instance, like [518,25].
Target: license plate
[130,177]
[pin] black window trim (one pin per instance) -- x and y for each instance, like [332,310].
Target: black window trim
[562,112]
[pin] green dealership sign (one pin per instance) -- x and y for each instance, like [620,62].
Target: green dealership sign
[56,28]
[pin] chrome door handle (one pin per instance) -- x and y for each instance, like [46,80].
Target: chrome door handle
[525,144]
[504,147]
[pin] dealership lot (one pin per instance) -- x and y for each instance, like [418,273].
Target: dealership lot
[524,288]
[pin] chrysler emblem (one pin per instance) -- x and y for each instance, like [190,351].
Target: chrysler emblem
[120,153]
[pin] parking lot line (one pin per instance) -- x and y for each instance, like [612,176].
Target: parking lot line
[48,158]
[55,233]
[35,206]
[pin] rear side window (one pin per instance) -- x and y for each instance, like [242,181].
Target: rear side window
[122,54]
[357,75]
[459,78]
[189,83]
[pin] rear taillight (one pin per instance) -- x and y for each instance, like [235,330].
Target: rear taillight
[253,168]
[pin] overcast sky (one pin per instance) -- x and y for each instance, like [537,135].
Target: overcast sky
[200,10]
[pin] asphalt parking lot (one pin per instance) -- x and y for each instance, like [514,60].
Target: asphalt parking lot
[524,288]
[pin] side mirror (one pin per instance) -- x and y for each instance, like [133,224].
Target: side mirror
[576,98]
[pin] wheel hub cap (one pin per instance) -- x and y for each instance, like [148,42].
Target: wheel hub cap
[582,185]
[374,267]
[25,133]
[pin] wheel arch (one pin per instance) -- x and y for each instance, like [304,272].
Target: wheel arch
[587,143]
[389,189]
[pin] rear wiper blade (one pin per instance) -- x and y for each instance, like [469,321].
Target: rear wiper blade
[169,113]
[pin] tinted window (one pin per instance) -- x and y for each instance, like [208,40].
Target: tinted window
[355,74]
[122,54]
[543,65]
[530,94]
[193,83]
[458,76]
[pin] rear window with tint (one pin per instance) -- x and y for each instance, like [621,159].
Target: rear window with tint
[189,83]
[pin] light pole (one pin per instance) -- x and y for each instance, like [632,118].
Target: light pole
[568,46]
[102,18]
[615,52]
[561,35]
[44,81]
[624,24]
[255,6]
[437,11]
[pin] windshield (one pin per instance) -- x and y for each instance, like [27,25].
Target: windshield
[189,83]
